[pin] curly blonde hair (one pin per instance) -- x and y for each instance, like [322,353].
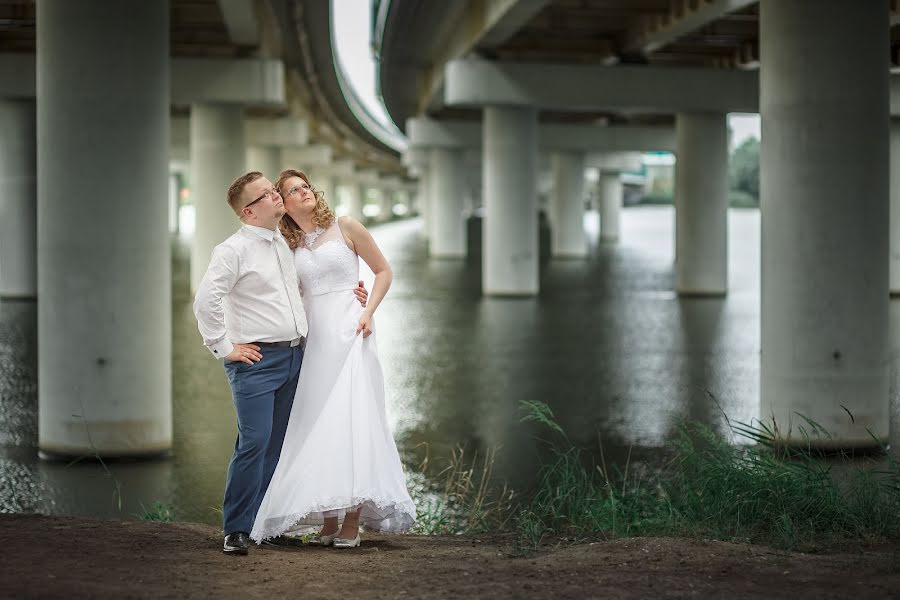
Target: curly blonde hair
[322,217]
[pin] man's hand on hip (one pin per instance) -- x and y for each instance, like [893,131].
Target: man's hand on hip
[361,293]
[246,353]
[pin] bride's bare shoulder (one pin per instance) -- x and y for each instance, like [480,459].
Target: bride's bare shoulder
[347,220]
[349,225]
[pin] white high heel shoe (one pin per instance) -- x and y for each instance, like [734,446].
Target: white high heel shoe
[324,540]
[344,543]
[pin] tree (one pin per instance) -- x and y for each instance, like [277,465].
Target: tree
[743,168]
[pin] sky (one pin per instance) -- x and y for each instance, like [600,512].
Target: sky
[352,31]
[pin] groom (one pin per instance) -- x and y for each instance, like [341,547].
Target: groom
[250,314]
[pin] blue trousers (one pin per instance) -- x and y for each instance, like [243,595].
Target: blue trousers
[263,396]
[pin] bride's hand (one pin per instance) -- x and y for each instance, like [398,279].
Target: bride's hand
[365,325]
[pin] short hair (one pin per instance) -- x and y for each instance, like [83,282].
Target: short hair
[237,189]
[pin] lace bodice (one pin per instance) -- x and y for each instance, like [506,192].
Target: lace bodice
[329,265]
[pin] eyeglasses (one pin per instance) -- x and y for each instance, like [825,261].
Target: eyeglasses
[267,195]
[303,186]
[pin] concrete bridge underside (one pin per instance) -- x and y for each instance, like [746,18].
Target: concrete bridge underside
[496,78]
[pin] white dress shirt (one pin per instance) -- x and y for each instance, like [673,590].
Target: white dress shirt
[249,292]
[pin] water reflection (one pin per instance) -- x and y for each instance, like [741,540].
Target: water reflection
[607,344]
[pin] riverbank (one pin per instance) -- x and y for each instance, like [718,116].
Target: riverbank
[55,557]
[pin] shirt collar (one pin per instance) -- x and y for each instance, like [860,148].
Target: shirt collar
[266,234]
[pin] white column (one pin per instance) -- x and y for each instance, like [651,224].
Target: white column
[895,208]
[424,203]
[448,239]
[266,159]
[18,199]
[354,194]
[510,229]
[405,198]
[387,204]
[472,166]
[326,184]
[218,157]
[609,188]
[567,205]
[104,280]
[825,214]
[701,213]
[173,202]
[375,195]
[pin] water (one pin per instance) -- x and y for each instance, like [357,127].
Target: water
[607,344]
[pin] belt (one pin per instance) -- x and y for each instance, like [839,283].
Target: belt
[334,288]
[287,344]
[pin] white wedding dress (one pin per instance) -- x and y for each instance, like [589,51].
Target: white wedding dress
[338,452]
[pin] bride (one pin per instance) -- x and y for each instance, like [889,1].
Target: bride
[339,466]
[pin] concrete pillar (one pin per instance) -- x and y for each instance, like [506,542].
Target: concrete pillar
[376,195]
[825,214]
[448,230]
[510,229]
[387,205]
[218,157]
[422,201]
[567,205]
[895,208]
[609,204]
[325,183]
[354,195]
[174,191]
[18,199]
[266,159]
[472,165]
[104,279]
[405,198]
[701,204]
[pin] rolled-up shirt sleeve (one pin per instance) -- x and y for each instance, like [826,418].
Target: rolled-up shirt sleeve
[209,303]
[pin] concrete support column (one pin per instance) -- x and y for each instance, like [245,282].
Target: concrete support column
[567,205]
[472,167]
[448,239]
[104,280]
[825,214]
[895,208]
[218,157]
[387,205]
[376,195]
[405,198]
[510,229]
[701,204]
[266,159]
[354,195]
[423,203]
[326,184]
[609,192]
[18,199]
[174,191]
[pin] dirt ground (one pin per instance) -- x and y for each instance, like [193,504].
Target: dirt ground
[50,557]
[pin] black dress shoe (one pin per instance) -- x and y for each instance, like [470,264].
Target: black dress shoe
[236,543]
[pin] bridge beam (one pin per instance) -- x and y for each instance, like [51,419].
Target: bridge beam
[583,88]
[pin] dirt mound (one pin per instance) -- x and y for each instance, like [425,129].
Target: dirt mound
[51,557]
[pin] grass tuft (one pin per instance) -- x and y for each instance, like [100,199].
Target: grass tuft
[761,493]
[158,512]
[464,500]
